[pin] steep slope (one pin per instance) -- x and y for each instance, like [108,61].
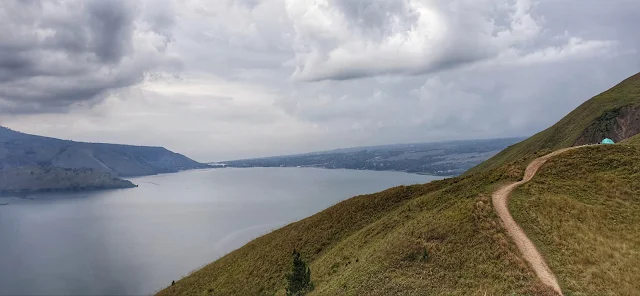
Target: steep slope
[614,113]
[19,149]
[444,238]
[432,239]
[581,211]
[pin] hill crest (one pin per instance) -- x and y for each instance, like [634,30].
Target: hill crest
[19,149]
[614,114]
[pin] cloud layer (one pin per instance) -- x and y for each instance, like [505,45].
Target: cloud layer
[57,53]
[345,39]
[222,79]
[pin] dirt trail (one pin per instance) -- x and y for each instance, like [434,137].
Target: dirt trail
[528,249]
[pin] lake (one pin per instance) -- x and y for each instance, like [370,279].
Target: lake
[136,241]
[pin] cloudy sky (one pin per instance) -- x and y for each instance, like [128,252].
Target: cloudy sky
[224,79]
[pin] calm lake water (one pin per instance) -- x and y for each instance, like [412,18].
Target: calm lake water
[136,241]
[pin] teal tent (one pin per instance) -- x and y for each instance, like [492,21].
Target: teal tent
[607,141]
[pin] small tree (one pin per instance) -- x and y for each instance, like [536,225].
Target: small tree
[299,280]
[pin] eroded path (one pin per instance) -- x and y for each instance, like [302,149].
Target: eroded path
[527,248]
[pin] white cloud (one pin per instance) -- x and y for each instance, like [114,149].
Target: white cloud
[428,70]
[339,39]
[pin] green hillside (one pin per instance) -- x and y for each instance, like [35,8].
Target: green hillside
[581,211]
[375,245]
[444,238]
[595,116]
[585,224]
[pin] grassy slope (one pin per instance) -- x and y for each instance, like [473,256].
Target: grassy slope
[581,210]
[373,245]
[568,129]
[635,140]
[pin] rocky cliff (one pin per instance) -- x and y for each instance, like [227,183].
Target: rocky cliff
[617,124]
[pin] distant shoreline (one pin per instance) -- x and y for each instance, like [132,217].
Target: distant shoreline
[443,159]
[326,168]
[24,194]
[346,169]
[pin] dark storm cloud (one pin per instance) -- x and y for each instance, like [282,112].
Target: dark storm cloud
[57,53]
[110,26]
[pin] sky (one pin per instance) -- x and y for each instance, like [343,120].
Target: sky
[227,79]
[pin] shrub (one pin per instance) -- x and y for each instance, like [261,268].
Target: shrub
[299,280]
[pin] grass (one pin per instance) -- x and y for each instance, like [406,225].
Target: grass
[635,140]
[581,211]
[570,128]
[376,245]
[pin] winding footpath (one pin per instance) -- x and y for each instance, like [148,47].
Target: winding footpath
[527,248]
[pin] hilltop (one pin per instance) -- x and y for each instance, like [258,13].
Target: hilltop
[19,149]
[30,163]
[444,237]
[614,113]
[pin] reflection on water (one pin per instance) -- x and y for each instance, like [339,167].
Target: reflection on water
[136,241]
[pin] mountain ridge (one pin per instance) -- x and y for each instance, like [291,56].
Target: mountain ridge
[614,113]
[21,149]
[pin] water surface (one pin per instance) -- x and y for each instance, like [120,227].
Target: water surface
[136,241]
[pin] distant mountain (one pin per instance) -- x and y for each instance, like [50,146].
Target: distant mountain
[440,158]
[19,150]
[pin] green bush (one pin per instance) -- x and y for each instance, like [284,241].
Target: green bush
[299,280]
